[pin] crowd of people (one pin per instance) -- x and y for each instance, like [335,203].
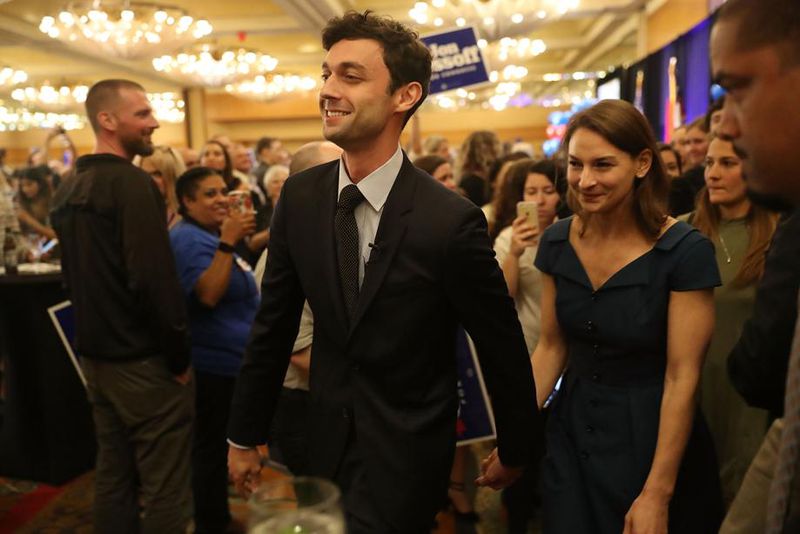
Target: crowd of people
[635,331]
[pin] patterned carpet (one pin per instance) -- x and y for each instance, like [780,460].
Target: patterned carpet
[27,507]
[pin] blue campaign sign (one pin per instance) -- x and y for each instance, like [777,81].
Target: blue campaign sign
[475,418]
[457,60]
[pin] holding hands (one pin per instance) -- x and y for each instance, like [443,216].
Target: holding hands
[495,475]
[244,469]
[523,235]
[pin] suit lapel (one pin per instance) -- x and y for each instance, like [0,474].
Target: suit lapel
[325,224]
[391,230]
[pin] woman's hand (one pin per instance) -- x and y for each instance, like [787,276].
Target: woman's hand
[648,515]
[523,235]
[236,226]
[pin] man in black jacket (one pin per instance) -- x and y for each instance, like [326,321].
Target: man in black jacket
[130,319]
[755,56]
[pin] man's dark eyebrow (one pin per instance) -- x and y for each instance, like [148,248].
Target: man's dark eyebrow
[347,65]
[724,79]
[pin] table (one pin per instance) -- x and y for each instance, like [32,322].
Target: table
[47,432]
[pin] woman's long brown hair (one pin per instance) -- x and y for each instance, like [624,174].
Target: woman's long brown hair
[761,224]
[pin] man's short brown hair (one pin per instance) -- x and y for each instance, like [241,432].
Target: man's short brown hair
[766,23]
[103,95]
[406,57]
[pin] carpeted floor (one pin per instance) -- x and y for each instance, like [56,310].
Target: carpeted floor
[27,507]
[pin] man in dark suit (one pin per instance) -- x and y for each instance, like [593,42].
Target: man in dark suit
[390,270]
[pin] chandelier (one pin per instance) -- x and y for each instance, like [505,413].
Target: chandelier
[167,107]
[51,98]
[9,77]
[19,119]
[520,48]
[262,88]
[492,19]
[125,29]
[214,67]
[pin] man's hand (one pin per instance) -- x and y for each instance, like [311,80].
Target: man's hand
[495,475]
[244,469]
[184,378]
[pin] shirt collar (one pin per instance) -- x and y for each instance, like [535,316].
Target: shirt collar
[376,186]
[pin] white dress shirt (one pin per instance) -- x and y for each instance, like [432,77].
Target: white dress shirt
[375,187]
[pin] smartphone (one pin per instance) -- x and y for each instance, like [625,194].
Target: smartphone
[529,210]
[48,246]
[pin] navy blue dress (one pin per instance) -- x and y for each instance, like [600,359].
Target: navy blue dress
[603,427]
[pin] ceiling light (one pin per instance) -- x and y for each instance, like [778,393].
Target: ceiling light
[125,29]
[213,66]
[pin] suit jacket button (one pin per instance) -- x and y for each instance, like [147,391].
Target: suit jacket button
[356,367]
[345,413]
[584,455]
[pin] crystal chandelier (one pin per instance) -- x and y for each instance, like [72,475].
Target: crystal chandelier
[492,19]
[167,107]
[51,98]
[263,88]
[214,67]
[19,119]
[125,29]
[9,77]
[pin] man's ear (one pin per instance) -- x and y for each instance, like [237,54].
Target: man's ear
[407,96]
[107,120]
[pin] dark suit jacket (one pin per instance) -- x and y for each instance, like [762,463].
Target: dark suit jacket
[391,376]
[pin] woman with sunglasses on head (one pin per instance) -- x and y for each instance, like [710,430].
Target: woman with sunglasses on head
[627,313]
[741,232]
[164,165]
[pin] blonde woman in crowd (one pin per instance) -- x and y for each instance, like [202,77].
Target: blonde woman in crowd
[475,159]
[164,165]
[741,232]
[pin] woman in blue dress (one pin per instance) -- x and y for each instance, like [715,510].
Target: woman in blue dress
[627,315]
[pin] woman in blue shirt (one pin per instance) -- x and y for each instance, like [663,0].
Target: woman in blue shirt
[222,299]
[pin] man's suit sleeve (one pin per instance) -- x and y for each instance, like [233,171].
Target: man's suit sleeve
[478,292]
[757,364]
[271,339]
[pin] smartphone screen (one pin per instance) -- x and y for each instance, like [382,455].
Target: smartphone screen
[47,247]
[529,210]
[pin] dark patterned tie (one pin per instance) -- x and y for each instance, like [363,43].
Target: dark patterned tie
[788,469]
[347,249]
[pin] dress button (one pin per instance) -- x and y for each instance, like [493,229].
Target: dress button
[589,429]
[345,413]
[594,296]
[590,327]
[584,455]
[596,347]
[356,367]
[596,377]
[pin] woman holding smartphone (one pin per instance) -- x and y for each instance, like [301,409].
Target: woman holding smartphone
[627,315]
[221,299]
[528,186]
